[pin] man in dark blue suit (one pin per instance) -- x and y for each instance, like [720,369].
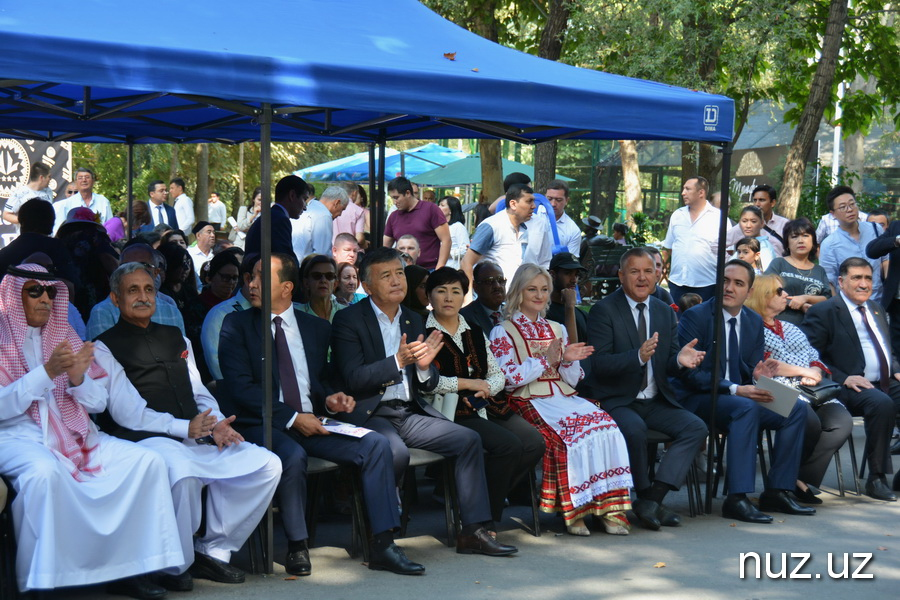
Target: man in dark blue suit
[301,396]
[384,359]
[740,402]
[851,335]
[635,340]
[889,243]
[160,212]
[291,193]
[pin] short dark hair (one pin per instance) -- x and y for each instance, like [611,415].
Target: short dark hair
[377,257]
[317,259]
[401,185]
[799,227]
[768,189]
[736,262]
[751,208]
[37,216]
[653,251]
[481,266]
[631,253]
[178,181]
[838,191]
[514,178]
[559,184]
[286,184]
[456,213]
[620,228]
[516,191]
[247,264]
[444,276]
[85,170]
[289,270]
[151,187]
[702,183]
[853,261]
[38,170]
[879,212]
[222,260]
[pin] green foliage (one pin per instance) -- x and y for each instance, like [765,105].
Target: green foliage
[647,230]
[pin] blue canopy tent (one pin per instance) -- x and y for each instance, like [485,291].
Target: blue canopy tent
[407,163]
[223,72]
[467,171]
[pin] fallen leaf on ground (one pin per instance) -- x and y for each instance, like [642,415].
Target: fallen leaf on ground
[733,525]
[659,565]
[291,578]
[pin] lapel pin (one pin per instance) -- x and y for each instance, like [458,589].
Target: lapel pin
[407,322]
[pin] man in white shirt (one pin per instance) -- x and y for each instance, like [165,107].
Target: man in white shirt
[202,253]
[218,214]
[692,242]
[312,233]
[98,203]
[184,206]
[569,234]
[37,187]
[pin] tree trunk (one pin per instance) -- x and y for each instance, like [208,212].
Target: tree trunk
[688,160]
[201,206]
[631,176]
[550,48]
[819,96]
[491,170]
[173,163]
[709,167]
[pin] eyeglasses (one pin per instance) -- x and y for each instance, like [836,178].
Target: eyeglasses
[319,276]
[493,281]
[152,268]
[70,192]
[779,291]
[845,207]
[36,291]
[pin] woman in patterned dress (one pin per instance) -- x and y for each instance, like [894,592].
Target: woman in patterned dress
[827,426]
[585,469]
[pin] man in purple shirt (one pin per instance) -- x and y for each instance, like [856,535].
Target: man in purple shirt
[422,220]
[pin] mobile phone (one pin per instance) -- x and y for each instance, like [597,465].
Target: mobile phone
[477,402]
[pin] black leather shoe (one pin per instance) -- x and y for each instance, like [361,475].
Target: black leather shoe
[896,485]
[780,501]
[878,489]
[646,512]
[481,542]
[667,517]
[393,559]
[297,563]
[743,510]
[806,496]
[176,583]
[139,587]
[207,567]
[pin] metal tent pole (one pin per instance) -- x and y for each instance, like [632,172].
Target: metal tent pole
[717,320]
[265,170]
[380,196]
[129,190]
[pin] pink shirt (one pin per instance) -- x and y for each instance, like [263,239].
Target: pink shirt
[352,221]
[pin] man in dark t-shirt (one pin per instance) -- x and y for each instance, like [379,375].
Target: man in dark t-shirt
[422,220]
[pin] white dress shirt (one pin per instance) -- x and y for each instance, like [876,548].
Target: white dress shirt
[391,335]
[184,212]
[158,213]
[694,245]
[649,391]
[298,358]
[870,354]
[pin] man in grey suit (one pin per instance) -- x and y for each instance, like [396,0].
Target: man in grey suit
[853,340]
[635,339]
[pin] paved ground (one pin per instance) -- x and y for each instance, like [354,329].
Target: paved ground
[701,559]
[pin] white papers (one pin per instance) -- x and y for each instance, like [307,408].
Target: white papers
[785,396]
[334,426]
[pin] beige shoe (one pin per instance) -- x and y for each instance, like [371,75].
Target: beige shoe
[616,524]
[579,530]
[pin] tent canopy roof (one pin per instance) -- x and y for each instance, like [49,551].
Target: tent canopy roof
[174,71]
[356,167]
[467,171]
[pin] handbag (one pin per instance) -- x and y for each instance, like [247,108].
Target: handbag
[820,393]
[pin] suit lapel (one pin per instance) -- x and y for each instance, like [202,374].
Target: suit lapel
[843,316]
[628,319]
[309,345]
[371,322]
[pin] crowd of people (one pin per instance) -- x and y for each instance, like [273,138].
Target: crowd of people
[133,380]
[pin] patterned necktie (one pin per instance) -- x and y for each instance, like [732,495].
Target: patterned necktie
[286,374]
[885,381]
[496,317]
[734,353]
[642,337]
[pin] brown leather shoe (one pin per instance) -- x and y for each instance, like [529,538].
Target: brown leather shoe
[481,542]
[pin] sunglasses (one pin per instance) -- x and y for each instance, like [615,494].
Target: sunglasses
[493,281]
[779,291]
[36,291]
[70,192]
[319,276]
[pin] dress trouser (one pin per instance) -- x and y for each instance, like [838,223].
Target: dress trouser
[743,418]
[406,427]
[686,429]
[878,411]
[511,447]
[827,428]
[370,453]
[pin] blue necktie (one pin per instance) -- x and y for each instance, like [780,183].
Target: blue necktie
[734,353]
[162,218]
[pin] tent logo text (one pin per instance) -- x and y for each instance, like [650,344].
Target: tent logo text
[710,117]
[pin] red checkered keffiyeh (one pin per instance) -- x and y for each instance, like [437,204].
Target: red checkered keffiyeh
[69,437]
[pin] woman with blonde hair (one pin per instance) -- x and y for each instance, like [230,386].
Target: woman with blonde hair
[828,425]
[585,468]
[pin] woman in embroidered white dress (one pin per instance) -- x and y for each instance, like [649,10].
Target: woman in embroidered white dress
[585,469]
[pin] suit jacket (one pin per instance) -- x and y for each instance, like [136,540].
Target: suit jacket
[280,236]
[698,323]
[830,330]
[357,349]
[171,217]
[240,392]
[474,314]
[884,244]
[616,371]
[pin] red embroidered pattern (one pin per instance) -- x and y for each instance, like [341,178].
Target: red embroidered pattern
[501,346]
[599,477]
[576,427]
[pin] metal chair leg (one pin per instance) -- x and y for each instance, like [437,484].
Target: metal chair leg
[535,503]
[856,473]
